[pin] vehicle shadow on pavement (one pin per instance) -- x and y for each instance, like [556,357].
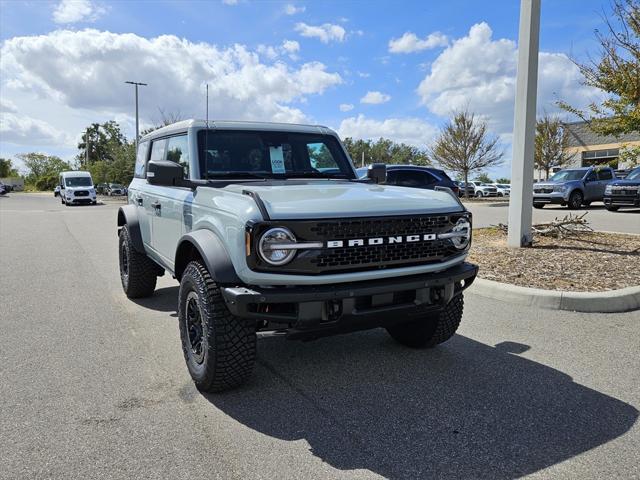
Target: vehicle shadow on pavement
[163,300]
[463,410]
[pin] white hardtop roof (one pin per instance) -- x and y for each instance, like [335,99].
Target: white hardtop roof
[76,173]
[236,125]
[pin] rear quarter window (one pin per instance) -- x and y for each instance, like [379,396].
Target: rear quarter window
[141,160]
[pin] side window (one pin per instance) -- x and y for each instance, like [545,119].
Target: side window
[178,152]
[157,150]
[141,160]
[605,175]
[408,179]
[391,177]
[591,177]
[427,178]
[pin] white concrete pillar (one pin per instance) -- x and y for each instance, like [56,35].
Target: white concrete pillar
[524,126]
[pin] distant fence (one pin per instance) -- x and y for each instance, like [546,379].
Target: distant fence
[16,183]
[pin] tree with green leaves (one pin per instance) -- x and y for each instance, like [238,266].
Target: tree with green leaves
[616,72]
[504,180]
[464,146]
[483,178]
[104,139]
[386,151]
[7,169]
[550,144]
[43,170]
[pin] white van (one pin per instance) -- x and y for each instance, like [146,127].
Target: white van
[77,187]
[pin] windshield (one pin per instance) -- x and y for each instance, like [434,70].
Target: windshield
[246,154]
[567,175]
[115,185]
[634,175]
[77,181]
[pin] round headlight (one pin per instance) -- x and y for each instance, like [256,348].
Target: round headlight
[463,226]
[269,243]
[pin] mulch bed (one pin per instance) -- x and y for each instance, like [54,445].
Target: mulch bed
[593,261]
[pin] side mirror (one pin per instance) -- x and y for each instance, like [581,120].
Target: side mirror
[164,173]
[377,172]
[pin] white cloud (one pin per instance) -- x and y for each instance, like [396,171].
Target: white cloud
[375,98]
[87,69]
[73,11]
[230,2]
[24,130]
[291,9]
[326,32]
[409,42]
[291,46]
[364,74]
[478,73]
[346,107]
[7,105]
[412,131]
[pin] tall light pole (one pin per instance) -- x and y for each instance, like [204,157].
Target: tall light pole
[524,126]
[86,148]
[137,128]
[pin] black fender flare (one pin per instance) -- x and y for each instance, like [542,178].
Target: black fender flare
[213,253]
[128,215]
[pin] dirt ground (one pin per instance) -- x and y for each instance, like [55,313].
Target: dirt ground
[588,262]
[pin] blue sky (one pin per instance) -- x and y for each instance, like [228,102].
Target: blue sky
[365,68]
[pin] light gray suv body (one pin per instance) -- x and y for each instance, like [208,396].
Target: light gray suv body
[267,228]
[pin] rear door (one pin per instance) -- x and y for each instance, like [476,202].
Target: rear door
[604,178]
[167,206]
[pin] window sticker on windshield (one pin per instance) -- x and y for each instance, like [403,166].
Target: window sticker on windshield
[277,159]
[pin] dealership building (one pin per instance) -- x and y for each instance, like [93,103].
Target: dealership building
[588,148]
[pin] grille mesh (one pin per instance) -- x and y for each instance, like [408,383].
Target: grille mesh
[364,228]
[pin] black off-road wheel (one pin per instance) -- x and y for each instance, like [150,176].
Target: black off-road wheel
[611,208]
[575,200]
[538,205]
[430,331]
[138,273]
[219,348]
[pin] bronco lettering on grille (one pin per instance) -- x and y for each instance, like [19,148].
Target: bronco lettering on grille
[361,242]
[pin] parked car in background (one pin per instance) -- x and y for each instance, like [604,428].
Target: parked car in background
[504,189]
[101,188]
[415,176]
[115,189]
[623,193]
[573,187]
[3,189]
[56,191]
[470,188]
[484,190]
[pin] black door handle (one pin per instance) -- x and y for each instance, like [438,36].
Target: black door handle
[156,205]
[139,201]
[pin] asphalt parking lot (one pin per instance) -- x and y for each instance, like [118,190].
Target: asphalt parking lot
[95,386]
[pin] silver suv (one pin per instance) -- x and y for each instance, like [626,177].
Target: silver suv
[267,228]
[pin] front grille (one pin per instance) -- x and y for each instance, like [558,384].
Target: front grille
[543,190]
[378,227]
[81,193]
[365,257]
[384,254]
[624,192]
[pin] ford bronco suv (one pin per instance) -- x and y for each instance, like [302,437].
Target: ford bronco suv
[267,228]
[623,193]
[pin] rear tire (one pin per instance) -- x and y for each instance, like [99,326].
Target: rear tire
[538,205]
[433,330]
[575,200]
[219,348]
[138,273]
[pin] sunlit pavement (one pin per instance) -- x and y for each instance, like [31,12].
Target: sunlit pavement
[94,385]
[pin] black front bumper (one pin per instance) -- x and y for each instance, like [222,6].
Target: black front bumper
[319,310]
[622,200]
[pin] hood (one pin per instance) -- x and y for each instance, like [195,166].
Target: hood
[331,199]
[625,183]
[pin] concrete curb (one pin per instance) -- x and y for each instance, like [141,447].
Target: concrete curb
[613,301]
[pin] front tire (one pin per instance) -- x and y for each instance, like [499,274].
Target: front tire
[479,194]
[575,200]
[611,208]
[219,348]
[138,273]
[538,205]
[433,330]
